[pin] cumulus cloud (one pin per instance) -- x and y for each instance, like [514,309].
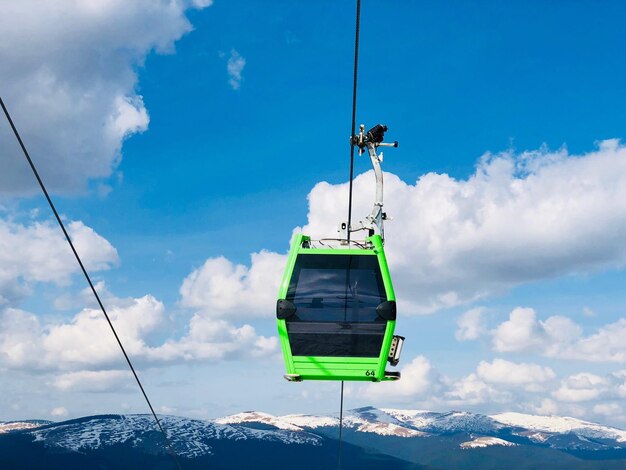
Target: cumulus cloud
[38,252]
[80,349]
[84,298]
[520,332]
[210,339]
[472,390]
[20,339]
[547,407]
[559,337]
[82,342]
[95,381]
[581,387]
[500,371]
[502,385]
[471,325]
[497,382]
[518,218]
[234,67]
[419,381]
[531,388]
[608,409]
[220,286]
[59,412]
[608,344]
[85,352]
[69,79]
[85,343]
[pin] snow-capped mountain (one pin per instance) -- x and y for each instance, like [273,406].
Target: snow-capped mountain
[189,437]
[132,441]
[373,438]
[414,423]
[560,425]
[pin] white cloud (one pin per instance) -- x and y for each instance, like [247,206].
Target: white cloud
[166,410]
[85,342]
[560,331]
[234,67]
[69,79]
[608,409]
[548,407]
[588,312]
[471,325]
[502,385]
[130,116]
[20,344]
[95,381]
[59,412]
[518,218]
[472,390]
[581,387]
[81,350]
[608,344]
[500,371]
[84,298]
[499,382]
[419,380]
[86,353]
[559,337]
[38,252]
[211,339]
[520,332]
[220,286]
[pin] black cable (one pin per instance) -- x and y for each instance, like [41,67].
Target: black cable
[340,426]
[354,89]
[349,227]
[93,289]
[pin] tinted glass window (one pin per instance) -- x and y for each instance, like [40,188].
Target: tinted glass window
[336,288]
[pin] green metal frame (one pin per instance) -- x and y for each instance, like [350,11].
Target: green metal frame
[336,368]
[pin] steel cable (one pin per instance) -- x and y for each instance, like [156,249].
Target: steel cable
[349,226]
[93,289]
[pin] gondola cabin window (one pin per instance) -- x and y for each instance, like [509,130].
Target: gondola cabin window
[336,297]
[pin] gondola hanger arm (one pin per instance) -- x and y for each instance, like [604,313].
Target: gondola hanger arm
[371,140]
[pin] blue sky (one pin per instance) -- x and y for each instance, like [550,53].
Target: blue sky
[175,170]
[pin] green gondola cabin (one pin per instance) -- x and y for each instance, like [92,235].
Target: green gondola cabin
[336,313]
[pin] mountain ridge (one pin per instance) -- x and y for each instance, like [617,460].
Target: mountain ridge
[373,437]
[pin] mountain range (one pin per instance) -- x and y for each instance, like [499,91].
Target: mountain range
[372,438]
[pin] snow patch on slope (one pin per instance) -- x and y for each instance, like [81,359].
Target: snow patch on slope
[259,417]
[311,421]
[485,441]
[18,426]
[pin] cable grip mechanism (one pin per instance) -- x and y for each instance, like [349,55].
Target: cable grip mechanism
[371,140]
